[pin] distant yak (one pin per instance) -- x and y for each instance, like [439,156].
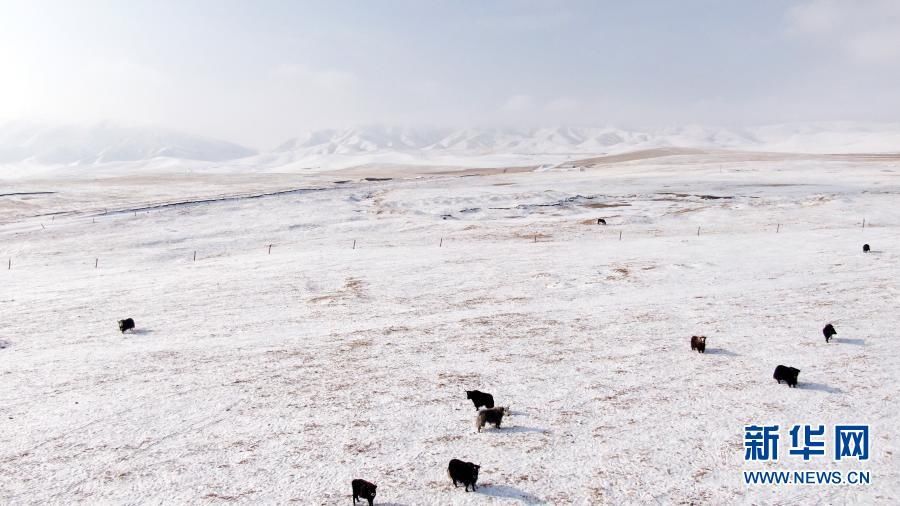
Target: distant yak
[866,248]
[601,221]
[493,416]
[786,374]
[363,489]
[463,472]
[698,343]
[480,399]
[126,324]
[829,332]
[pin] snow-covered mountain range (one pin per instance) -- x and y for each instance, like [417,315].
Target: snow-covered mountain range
[106,143]
[511,146]
[830,137]
[465,141]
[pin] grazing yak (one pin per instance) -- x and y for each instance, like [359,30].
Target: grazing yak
[866,248]
[363,489]
[698,343]
[786,374]
[463,472]
[480,398]
[829,332]
[126,324]
[601,221]
[493,416]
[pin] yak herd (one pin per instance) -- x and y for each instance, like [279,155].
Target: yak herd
[782,372]
[467,472]
[459,471]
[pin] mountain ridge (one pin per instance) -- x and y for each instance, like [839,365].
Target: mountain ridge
[802,137]
[106,143]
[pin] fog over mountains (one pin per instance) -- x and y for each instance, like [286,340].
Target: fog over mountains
[105,143]
[108,143]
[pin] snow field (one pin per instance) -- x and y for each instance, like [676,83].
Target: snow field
[278,378]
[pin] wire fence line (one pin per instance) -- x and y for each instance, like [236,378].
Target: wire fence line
[455,239]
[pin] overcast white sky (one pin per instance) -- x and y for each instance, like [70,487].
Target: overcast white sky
[258,72]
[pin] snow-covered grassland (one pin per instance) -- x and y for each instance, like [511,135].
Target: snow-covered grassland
[277,378]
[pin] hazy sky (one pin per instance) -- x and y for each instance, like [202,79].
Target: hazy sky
[259,72]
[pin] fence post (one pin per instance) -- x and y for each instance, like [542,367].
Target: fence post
[441,244]
[270,249]
[195,255]
[354,243]
[620,235]
[9,265]
[778,229]
[864,223]
[96,262]
[698,231]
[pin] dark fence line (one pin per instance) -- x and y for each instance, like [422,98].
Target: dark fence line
[536,237]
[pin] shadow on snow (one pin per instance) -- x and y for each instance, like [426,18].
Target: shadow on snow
[720,351]
[821,387]
[509,492]
[513,429]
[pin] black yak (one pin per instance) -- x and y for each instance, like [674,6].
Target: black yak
[126,324]
[363,489]
[463,472]
[829,332]
[698,343]
[493,416]
[786,374]
[866,248]
[601,221]
[480,399]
